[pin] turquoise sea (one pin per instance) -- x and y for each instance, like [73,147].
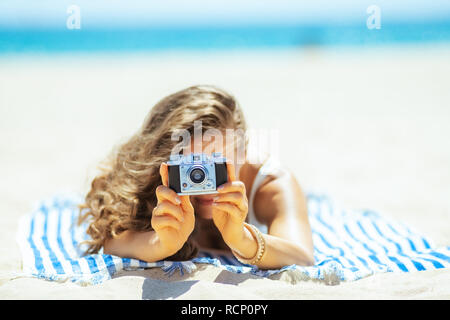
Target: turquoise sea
[212,38]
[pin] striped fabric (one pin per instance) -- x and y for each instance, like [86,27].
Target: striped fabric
[349,245]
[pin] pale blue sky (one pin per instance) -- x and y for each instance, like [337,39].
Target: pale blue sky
[132,13]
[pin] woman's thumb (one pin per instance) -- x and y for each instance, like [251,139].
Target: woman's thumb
[164,172]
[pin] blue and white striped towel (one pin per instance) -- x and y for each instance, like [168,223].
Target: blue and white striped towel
[349,245]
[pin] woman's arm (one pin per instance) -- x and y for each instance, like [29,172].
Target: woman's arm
[280,203]
[172,221]
[144,246]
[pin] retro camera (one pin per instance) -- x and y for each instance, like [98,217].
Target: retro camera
[197,173]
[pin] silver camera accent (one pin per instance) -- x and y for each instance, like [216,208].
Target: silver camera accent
[196,173]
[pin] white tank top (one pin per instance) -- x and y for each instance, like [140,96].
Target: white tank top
[270,167]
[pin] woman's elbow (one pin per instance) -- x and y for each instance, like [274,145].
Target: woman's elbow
[309,262]
[306,258]
[305,261]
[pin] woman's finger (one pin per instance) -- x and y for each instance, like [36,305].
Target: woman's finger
[231,170]
[232,186]
[167,208]
[165,193]
[229,208]
[186,204]
[160,222]
[164,172]
[233,197]
[219,217]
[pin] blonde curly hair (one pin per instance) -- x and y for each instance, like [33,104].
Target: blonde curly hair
[122,196]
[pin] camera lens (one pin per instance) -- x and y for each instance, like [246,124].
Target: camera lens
[197,175]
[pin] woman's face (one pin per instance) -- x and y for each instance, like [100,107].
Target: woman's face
[203,203]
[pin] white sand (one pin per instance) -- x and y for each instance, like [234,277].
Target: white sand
[368,127]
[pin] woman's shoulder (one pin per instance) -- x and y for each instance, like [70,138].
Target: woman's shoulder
[247,174]
[265,171]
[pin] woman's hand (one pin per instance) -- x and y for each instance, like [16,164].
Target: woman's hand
[173,218]
[230,209]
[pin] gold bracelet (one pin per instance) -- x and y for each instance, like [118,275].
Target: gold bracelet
[261,246]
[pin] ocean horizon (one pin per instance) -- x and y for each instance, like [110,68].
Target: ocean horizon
[35,40]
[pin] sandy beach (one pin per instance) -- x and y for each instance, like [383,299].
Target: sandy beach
[369,127]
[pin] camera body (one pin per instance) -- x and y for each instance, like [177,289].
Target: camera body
[197,173]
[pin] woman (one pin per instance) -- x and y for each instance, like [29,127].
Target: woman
[133,213]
